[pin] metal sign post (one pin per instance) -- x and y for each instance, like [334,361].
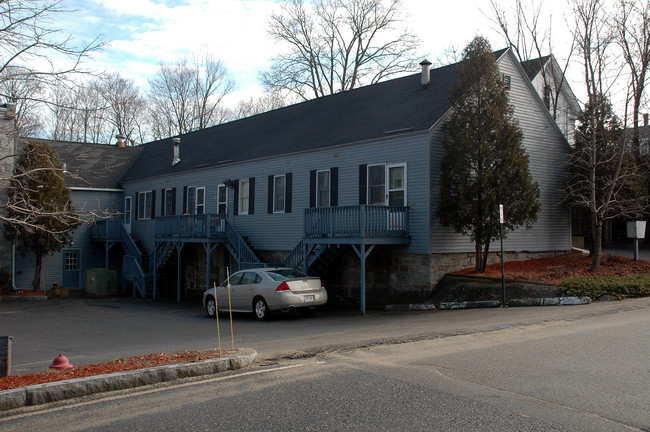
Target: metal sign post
[503,277]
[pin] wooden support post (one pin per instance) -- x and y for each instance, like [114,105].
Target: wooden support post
[362,253]
[5,355]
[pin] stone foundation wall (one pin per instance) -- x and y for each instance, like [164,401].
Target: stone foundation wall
[392,277]
[396,278]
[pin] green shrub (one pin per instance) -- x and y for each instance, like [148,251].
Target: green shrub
[596,286]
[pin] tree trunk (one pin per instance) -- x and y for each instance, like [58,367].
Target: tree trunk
[597,232]
[485,254]
[480,263]
[37,272]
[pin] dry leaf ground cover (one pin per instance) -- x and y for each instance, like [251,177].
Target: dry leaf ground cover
[117,365]
[553,270]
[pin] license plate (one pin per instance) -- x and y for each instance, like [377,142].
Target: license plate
[309,298]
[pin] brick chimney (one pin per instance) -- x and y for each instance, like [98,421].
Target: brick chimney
[121,140]
[426,72]
[177,150]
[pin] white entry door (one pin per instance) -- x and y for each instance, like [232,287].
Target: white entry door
[127,214]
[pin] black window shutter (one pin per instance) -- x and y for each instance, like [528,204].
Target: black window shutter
[334,187]
[363,184]
[137,215]
[288,190]
[236,196]
[270,203]
[173,212]
[184,199]
[251,195]
[153,204]
[312,188]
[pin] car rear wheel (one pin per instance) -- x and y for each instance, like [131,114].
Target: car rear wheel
[210,307]
[261,309]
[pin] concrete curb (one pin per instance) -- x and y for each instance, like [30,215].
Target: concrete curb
[60,390]
[470,304]
[547,301]
[19,298]
[550,301]
[411,307]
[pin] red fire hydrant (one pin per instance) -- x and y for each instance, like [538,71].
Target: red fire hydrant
[61,362]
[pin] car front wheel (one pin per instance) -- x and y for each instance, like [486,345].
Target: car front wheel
[261,309]
[210,307]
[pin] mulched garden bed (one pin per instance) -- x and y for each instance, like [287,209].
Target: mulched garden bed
[553,270]
[117,365]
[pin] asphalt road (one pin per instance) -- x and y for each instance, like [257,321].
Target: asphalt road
[580,368]
[90,331]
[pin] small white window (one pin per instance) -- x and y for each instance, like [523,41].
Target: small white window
[243,196]
[323,187]
[145,201]
[200,200]
[279,193]
[168,207]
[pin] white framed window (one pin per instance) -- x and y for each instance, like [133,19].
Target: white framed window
[279,193]
[387,184]
[222,199]
[377,184]
[200,200]
[244,193]
[323,188]
[169,201]
[195,200]
[145,205]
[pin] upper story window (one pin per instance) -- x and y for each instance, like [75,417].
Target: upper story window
[383,184]
[280,190]
[195,200]
[145,205]
[169,202]
[279,193]
[244,196]
[323,188]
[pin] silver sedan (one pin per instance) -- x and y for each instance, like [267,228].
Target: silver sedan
[264,290]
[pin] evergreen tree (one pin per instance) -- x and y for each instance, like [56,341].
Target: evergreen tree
[40,214]
[485,163]
[603,178]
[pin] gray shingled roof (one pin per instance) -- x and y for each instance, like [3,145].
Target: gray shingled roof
[375,111]
[534,66]
[93,165]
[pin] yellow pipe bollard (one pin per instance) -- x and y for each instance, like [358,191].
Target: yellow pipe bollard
[216,315]
[232,336]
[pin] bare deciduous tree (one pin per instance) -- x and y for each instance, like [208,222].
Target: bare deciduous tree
[632,26]
[337,45]
[188,96]
[78,113]
[253,106]
[603,179]
[35,53]
[125,107]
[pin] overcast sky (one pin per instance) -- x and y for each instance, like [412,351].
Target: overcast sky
[144,32]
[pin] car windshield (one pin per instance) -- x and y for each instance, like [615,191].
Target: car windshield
[284,274]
